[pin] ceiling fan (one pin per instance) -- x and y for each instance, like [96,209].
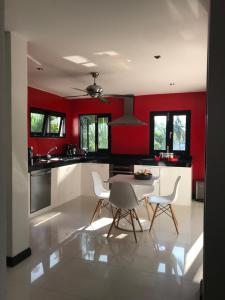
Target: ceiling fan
[94,90]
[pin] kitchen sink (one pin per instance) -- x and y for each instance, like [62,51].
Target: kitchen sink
[52,159]
[71,158]
[56,158]
[43,160]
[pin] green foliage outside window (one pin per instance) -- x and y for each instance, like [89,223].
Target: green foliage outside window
[179,131]
[160,133]
[44,123]
[54,124]
[94,133]
[37,121]
[103,133]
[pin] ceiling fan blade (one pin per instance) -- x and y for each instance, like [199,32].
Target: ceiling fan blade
[118,95]
[105,100]
[79,90]
[77,96]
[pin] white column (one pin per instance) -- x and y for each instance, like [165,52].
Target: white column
[17,216]
[2,175]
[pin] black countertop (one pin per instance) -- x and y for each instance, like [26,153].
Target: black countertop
[120,159]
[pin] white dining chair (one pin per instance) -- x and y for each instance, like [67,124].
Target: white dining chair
[101,193]
[124,199]
[164,205]
[143,193]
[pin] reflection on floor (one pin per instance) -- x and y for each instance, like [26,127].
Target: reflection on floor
[74,261]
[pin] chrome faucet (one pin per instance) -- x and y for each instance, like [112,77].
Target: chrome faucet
[50,150]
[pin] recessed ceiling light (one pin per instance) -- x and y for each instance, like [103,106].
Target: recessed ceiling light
[89,65]
[76,59]
[157,56]
[129,60]
[110,53]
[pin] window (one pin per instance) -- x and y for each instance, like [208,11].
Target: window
[36,122]
[95,133]
[170,131]
[44,123]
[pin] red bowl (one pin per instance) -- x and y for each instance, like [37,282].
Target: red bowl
[173,158]
[157,157]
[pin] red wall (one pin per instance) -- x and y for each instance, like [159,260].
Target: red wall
[196,102]
[40,99]
[125,139]
[135,139]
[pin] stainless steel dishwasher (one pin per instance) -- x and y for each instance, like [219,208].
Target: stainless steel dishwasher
[40,189]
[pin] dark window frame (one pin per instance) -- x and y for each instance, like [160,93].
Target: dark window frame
[169,128]
[98,151]
[47,113]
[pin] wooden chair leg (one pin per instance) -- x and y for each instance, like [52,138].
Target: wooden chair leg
[100,209]
[153,218]
[138,219]
[113,222]
[132,222]
[96,210]
[152,207]
[147,208]
[112,210]
[118,220]
[174,218]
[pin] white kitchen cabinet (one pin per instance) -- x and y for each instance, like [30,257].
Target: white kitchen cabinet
[65,183]
[168,177]
[87,188]
[71,181]
[151,190]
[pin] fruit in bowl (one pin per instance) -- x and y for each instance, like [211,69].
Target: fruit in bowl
[143,174]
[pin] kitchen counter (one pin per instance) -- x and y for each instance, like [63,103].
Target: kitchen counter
[71,177]
[120,159]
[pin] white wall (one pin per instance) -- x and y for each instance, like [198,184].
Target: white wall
[17,217]
[3,176]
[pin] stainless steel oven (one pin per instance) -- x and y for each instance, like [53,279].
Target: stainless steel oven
[115,169]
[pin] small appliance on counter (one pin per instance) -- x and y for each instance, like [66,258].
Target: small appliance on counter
[70,149]
[73,150]
[166,155]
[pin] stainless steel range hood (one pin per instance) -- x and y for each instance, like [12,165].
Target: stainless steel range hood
[128,118]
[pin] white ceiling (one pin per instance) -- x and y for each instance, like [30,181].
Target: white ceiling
[136,30]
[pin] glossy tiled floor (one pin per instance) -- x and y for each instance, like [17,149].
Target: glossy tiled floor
[74,262]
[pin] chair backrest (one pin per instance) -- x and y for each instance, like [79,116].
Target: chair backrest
[98,185]
[173,196]
[122,195]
